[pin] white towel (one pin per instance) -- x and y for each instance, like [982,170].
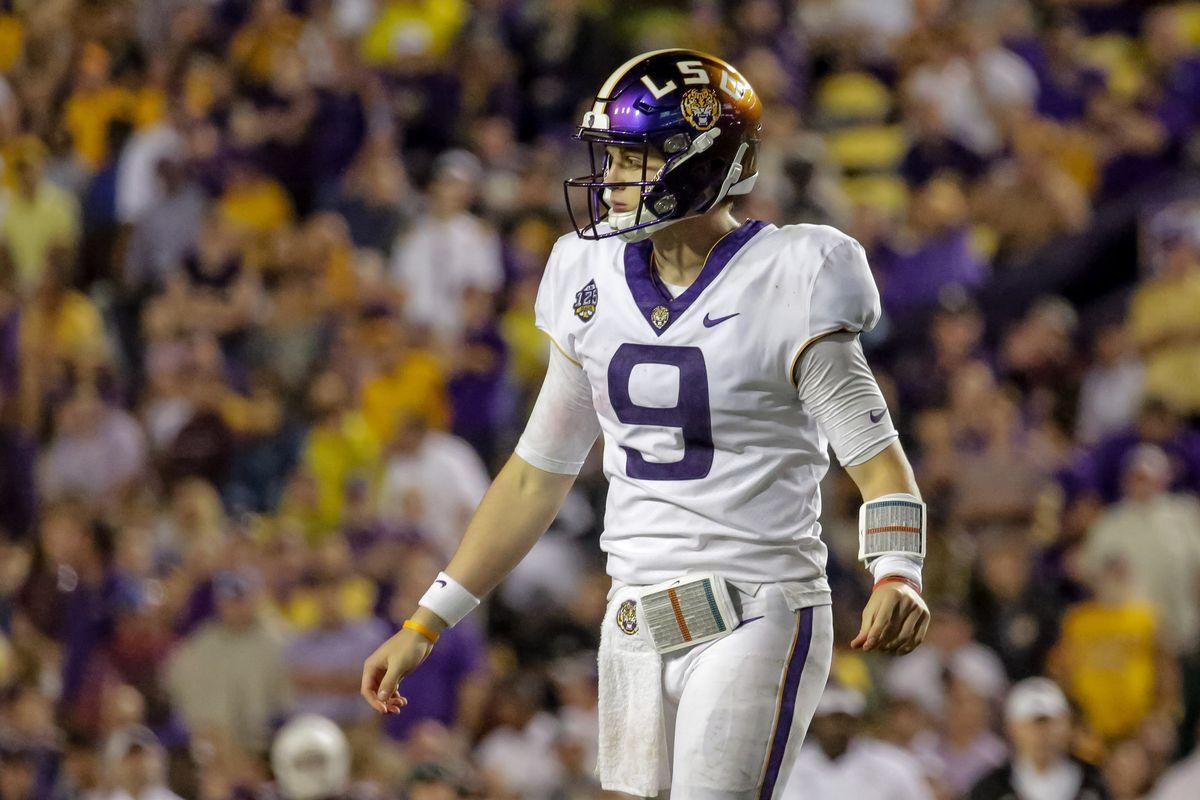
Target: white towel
[633,755]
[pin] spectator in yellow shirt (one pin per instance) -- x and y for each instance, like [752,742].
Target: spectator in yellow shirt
[61,323]
[1109,660]
[39,217]
[95,102]
[341,448]
[254,203]
[409,383]
[1165,324]
[271,30]
[408,34]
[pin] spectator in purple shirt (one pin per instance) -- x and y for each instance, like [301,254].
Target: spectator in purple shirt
[322,661]
[1101,469]
[1065,79]
[935,253]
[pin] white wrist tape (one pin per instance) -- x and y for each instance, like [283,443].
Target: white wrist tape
[891,525]
[448,599]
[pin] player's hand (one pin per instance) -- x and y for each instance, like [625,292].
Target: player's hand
[895,620]
[384,669]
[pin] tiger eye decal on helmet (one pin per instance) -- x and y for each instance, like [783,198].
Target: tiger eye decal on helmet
[693,111]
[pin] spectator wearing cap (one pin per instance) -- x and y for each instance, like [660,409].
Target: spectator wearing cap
[229,676]
[448,251]
[1157,533]
[839,762]
[1038,723]
[136,766]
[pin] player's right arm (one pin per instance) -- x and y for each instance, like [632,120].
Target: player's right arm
[516,510]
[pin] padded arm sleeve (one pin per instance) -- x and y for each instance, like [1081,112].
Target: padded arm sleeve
[563,426]
[838,388]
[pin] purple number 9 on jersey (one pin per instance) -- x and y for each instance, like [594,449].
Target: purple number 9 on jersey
[690,413]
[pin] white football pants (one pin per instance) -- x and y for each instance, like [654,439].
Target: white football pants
[736,709]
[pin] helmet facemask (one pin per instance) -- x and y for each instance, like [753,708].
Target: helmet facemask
[658,204]
[655,209]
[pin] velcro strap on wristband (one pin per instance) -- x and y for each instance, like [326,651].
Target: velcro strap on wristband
[448,599]
[891,525]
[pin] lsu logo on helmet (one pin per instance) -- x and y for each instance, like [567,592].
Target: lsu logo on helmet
[701,108]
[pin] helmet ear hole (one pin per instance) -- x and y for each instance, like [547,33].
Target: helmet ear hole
[676,144]
[665,205]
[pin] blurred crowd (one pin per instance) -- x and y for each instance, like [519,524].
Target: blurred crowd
[267,270]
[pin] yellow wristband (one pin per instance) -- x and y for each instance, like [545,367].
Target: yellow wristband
[424,630]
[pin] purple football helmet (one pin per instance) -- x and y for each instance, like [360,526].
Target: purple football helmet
[694,110]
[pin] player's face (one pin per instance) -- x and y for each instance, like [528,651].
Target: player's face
[629,164]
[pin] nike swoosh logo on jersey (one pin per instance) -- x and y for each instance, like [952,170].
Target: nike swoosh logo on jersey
[877,414]
[709,322]
[440,582]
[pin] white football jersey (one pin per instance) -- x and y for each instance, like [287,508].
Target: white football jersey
[712,461]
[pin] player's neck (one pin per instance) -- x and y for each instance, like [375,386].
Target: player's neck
[680,250]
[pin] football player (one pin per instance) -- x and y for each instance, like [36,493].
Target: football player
[719,359]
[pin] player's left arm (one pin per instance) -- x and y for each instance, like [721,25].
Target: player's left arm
[836,385]
[896,617]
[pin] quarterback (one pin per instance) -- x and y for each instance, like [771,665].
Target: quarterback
[720,361]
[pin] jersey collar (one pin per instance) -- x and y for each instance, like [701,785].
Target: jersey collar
[652,298]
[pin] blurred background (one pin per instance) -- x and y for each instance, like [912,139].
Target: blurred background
[267,270]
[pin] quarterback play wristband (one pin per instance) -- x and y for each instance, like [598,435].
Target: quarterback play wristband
[427,632]
[448,599]
[891,525]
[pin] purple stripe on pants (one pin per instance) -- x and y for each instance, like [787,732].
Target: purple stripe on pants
[787,703]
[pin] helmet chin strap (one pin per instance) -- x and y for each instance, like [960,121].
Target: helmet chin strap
[626,219]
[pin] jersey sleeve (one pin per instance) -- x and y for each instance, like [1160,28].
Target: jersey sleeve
[550,305]
[844,296]
[563,425]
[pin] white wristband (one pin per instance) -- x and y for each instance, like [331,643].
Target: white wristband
[907,567]
[448,599]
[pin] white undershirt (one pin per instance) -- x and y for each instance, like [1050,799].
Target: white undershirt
[674,289]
